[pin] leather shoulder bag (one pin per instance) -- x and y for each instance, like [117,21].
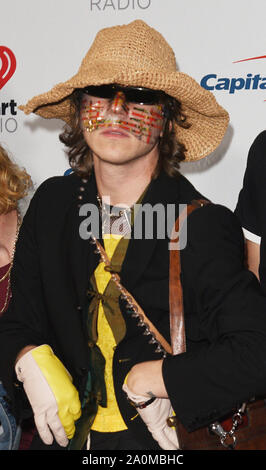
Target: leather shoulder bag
[243,428]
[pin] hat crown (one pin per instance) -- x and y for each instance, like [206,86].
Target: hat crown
[135,46]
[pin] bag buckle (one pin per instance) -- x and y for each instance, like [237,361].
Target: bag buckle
[228,438]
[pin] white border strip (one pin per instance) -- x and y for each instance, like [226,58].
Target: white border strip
[251,236]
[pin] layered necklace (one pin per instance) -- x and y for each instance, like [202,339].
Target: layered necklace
[7,274]
[115,220]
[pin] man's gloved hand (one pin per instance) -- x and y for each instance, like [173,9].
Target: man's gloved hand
[53,397]
[155,417]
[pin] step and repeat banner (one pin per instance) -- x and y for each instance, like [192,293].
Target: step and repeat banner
[221,44]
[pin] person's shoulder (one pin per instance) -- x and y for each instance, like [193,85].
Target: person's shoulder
[59,187]
[260,139]
[56,182]
[214,220]
[208,219]
[188,192]
[257,153]
[56,192]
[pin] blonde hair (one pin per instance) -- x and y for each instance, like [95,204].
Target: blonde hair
[14,183]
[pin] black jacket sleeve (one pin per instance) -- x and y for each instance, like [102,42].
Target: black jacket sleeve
[227,365]
[250,208]
[45,306]
[24,323]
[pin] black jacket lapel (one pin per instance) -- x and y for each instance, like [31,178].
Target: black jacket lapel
[162,190]
[82,256]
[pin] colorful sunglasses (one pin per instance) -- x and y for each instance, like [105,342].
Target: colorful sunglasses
[137,95]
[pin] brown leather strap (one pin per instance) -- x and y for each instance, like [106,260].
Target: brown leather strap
[132,302]
[177,323]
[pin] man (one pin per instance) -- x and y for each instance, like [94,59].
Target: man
[131,118]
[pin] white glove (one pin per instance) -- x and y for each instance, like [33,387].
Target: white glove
[155,417]
[53,397]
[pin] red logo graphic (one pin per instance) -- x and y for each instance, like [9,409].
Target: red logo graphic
[8,65]
[251,58]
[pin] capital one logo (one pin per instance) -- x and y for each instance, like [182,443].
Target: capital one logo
[8,65]
[233,84]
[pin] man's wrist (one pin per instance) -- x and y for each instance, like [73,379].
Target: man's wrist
[146,379]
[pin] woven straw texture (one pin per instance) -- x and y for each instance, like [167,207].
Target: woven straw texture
[138,55]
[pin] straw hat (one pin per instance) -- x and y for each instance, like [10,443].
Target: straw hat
[138,55]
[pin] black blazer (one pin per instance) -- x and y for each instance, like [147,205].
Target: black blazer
[225,311]
[250,208]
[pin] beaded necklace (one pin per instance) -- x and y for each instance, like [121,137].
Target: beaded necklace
[7,274]
[115,220]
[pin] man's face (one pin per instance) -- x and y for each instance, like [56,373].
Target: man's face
[118,125]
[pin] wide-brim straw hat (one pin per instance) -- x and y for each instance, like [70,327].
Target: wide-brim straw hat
[138,55]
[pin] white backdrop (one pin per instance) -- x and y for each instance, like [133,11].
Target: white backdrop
[49,40]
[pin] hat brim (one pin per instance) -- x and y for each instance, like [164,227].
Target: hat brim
[208,120]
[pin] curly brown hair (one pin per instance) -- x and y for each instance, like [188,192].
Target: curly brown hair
[171,152]
[14,183]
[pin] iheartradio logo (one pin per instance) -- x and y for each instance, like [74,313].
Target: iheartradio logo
[8,65]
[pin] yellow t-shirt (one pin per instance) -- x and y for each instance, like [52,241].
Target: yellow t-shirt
[107,419]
